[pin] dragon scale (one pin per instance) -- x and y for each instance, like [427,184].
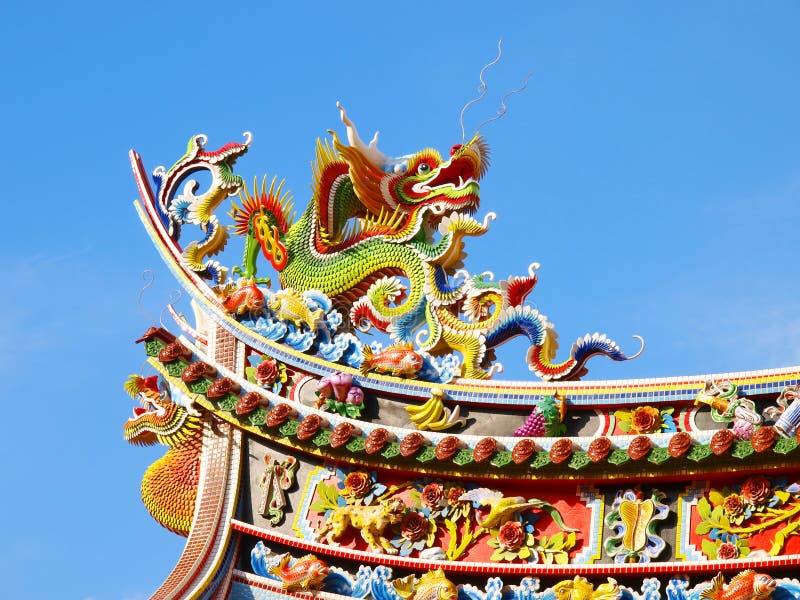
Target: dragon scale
[337,273]
[169,485]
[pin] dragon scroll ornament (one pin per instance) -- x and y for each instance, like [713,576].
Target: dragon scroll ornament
[382,237]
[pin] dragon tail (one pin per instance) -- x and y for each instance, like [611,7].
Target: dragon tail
[540,356]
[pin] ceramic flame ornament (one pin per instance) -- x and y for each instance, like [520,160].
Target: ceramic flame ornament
[263,218]
[179,206]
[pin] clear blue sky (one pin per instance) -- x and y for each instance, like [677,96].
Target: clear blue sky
[652,167]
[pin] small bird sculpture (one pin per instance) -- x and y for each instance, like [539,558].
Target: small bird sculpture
[502,508]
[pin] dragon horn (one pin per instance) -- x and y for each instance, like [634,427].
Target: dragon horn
[371,152]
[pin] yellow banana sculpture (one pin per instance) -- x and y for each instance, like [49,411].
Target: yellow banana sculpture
[433,416]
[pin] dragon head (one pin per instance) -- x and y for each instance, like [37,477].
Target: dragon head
[158,419]
[422,181]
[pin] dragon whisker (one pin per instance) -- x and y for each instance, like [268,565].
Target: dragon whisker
[481,88]
[502,109]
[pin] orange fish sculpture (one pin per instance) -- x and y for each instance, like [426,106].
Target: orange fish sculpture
[745,586]
[247,298]
[306,573]
[398,359]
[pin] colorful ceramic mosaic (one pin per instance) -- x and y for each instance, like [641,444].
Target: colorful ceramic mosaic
[397,469]
[169,486]
[634,519]
[275,481]
[381,237]
[554,457]
[756,515]
[439,519]
[379,583]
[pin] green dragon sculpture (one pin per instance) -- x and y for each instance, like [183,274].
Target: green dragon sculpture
[364,224]
[384,237]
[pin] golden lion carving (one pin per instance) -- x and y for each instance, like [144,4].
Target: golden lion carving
[371,520]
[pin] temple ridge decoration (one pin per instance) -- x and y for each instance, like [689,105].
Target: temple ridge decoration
[382,238]
[302,459]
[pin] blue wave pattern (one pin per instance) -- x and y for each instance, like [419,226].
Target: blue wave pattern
[331,344]
[376,584]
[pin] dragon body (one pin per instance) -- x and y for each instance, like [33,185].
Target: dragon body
[350,238]
[169,485]
[384,238]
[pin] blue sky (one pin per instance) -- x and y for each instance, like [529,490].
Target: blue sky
[652,167]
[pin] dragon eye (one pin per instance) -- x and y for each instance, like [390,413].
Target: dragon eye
[423,168]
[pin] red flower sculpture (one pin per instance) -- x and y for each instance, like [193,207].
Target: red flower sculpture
[267,372]
[727,551]
[453,495]
[414,526]
[432,496]
[358,484]
[756,490]
[646,419]
[511,535]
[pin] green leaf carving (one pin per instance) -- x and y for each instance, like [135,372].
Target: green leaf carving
[709,549]
[704,508]
[703,528]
